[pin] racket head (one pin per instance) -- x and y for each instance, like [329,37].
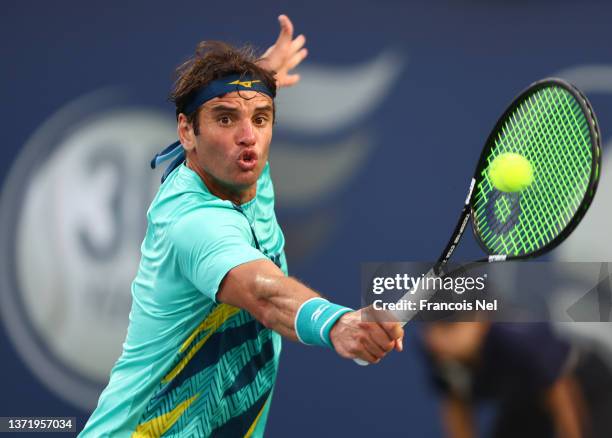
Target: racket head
[552,124]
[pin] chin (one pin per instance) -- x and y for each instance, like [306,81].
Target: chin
[246,179]
[250,176]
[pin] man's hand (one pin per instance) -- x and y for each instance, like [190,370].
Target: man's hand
[285,54]
[371,341]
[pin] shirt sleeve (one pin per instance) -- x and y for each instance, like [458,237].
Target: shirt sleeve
[209,243]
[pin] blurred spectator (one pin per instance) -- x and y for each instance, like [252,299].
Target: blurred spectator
[541,385]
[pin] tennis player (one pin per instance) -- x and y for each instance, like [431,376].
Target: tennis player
[212,295]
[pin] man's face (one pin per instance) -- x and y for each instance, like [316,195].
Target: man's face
[231,149]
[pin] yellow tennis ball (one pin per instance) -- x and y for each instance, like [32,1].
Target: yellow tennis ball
[511,172]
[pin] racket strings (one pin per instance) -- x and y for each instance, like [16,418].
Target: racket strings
[550,178]
[550,129]
[548,228]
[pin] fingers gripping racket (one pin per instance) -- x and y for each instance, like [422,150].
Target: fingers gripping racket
[548,147]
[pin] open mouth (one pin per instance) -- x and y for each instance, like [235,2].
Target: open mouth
[247,160]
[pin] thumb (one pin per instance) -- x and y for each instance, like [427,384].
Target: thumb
[399,344]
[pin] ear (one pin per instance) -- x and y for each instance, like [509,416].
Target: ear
[185,133]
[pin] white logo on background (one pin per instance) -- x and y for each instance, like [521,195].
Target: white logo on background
[73,217]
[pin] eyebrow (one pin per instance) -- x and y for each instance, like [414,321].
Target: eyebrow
[265,108]
[224,109]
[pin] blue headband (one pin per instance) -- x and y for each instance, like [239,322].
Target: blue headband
[216,88]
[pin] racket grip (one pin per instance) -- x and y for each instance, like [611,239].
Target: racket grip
[404,316]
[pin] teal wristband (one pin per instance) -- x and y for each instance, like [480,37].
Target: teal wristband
[315,319]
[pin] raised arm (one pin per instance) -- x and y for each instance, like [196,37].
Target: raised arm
[274,299]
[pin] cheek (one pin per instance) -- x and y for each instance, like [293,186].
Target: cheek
[215,148]
[266,140]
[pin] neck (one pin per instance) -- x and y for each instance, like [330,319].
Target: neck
[237,196]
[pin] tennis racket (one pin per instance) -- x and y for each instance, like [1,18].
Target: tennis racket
[553,126]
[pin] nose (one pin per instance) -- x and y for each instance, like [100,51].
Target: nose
[246,134]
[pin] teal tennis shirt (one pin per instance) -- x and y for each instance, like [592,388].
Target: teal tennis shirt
[193,367]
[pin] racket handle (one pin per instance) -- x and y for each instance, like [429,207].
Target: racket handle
[404,316]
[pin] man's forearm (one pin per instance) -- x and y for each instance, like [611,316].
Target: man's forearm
[262,289]
[287,306]
[565,404]
[280,298]
[458,420]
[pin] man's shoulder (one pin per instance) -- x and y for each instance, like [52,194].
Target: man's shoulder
[184,183]
[208,215]
[195,218]
[182,194]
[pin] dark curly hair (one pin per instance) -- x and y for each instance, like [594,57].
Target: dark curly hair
[213,60]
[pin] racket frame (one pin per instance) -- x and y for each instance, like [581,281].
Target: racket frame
[468,208]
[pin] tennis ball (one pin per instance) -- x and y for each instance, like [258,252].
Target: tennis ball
[511,172]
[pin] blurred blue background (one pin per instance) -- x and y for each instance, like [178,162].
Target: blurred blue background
[371,158]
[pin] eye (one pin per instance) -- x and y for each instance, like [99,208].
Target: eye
[224,120]
[260,120]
